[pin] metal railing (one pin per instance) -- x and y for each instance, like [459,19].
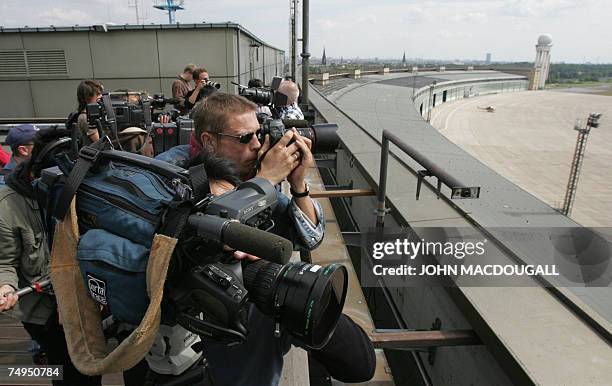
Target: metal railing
[458,190]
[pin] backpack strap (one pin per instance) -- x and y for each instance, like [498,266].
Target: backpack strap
[80,314]
[88,156]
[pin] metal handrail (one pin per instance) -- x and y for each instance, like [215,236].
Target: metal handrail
[458,190]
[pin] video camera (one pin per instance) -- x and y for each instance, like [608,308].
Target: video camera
[116,112]
[303,298]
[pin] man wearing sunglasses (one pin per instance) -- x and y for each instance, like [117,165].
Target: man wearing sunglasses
[226,125]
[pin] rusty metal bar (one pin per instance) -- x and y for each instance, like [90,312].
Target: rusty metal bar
[407,339]
[342,193]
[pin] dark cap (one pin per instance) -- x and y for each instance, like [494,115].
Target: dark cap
[21,135]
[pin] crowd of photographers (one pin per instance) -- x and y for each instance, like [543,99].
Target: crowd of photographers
[225,138]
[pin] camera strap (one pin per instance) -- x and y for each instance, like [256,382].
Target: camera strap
[199,182]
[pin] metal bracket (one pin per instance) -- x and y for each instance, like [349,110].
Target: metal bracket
[435,326]
[348,186]
[326,163]
[383,212]
[420,175]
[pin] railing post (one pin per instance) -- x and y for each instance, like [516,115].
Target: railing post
[381,211]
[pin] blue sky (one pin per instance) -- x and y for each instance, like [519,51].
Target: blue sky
[451,29]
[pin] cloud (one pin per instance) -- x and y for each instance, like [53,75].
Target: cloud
[537,8]
[327,24]
[63,16]
[458,35]
[469,17]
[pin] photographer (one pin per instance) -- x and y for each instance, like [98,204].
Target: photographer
[291,110]
[348,356]
[226,125]
[201,90]
[182,85]
[25,260]
[89,91]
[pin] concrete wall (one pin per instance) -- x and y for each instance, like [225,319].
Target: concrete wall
[137,59]
[464,89]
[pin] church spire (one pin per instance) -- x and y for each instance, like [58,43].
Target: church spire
[323,59]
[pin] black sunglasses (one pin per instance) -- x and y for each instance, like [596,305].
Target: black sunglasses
[243,138]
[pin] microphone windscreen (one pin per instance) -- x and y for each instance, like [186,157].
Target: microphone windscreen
[262,244]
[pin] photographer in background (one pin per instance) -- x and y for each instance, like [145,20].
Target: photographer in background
[182,85]
[88,91]
[226,125]
[291,110]
[201,90]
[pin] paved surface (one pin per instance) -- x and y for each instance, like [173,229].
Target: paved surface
[14,342]
[530,140]
[548,342]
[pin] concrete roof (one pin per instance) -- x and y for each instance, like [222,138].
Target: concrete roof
[134,27]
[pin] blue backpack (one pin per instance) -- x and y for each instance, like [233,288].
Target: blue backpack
[122,201]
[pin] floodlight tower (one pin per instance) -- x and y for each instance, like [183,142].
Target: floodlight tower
[572,183]
[171,6]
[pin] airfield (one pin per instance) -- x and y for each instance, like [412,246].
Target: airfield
[529,139]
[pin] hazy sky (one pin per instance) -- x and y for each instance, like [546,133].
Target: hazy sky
[451,29]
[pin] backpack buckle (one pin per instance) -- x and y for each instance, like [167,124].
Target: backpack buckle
[89,153]
[183,191]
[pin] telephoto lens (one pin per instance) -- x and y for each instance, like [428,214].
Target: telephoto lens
[304,299]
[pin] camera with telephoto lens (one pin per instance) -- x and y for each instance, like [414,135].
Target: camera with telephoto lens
[264,96]
[216,85]
[324,136]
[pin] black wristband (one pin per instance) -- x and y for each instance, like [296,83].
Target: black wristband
[305,193]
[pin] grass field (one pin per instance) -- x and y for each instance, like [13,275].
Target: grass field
[596,88]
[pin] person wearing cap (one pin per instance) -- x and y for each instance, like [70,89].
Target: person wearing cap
[20,140]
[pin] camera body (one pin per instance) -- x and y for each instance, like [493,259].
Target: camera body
[324,137]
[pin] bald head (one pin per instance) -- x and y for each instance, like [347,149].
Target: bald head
[290,89]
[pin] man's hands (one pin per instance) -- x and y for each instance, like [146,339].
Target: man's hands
[296,177]
[282,161]
[7,297]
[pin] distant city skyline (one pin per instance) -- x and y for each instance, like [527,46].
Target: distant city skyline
[436,29]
